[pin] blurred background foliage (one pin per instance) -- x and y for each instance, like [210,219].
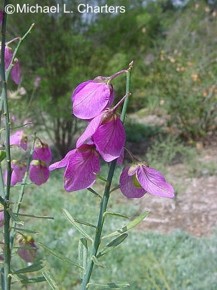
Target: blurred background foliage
[173,45]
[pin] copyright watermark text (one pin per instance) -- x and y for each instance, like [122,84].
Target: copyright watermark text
[54,9]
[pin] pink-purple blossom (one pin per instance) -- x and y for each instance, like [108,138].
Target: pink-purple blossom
[16,72]
[139,179]
[90,98]
[82,165]
[8,56]
[42,152]
[18,171]
[27,248]
[107,133]
[19,139]
[38,172]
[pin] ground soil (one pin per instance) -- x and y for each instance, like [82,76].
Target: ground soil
[194,209]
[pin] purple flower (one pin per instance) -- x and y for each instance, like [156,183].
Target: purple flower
[1,16]
[28,249]
[138,179]
[16,72]
[18,171]
[82,165]
[19,139]
[42,152]
[90,98]
[8,56]
[38,172]
[107,133]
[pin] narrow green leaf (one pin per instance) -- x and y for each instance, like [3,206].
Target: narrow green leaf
[114,188]
[129,226]
[94,192]
[59,256]
[33,268]
[102,178]
[110,285]
[47,275]
[34,216]
[85,223]
[76,225]
[83,253]
[96,262]
[2,155]
[115,214]
[15,218]
[24,230]
[113,244]
[27,280]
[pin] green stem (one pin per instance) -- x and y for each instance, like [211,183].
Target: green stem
[22,191]
[7,249]
[105,199]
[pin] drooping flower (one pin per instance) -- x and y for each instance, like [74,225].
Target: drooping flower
[82,165]
[16,72]
[18,171]
[19,139]
[90,98]
[1,16]
[107,133]
[27,248]
[139,179]
[42,152]
[8,56]
[38,172]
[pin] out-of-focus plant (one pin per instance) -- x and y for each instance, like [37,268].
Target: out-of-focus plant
[184,73]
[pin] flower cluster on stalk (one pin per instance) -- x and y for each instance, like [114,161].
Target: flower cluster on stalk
[38,168]
[105,137]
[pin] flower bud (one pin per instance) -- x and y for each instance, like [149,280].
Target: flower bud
[16,72]
[28,249]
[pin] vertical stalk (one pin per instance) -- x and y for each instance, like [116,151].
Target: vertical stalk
[106,195]
[7,249]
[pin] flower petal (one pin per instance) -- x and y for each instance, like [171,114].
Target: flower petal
[8,56]
[62,163]
[19,139]
[154,182]
[79,87]
[38,172]
[90,130]
[127,186]
[81,169]
[16,73]
[91,100]
[42,152]
[110,138]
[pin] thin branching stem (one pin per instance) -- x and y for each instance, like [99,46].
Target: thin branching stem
[106,195]
[7,250]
